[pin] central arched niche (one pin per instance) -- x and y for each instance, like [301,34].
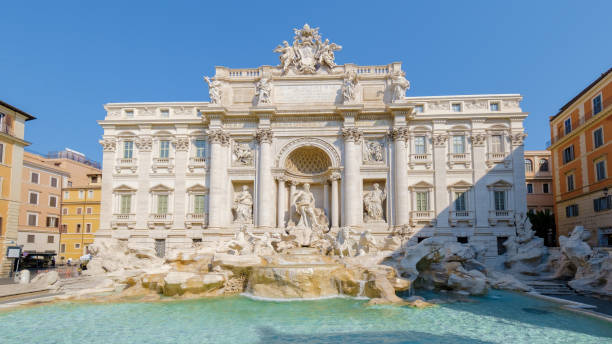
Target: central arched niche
[307,161]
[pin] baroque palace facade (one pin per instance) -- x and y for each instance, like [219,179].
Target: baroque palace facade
[311,144]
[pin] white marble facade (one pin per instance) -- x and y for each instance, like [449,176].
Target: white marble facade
[444,165]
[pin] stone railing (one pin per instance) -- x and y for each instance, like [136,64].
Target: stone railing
[373,70]
[196,219]
[496,216]
[196,162]
[160,219]
[420,159]
[426,216]
[496,158]
[459,158]
[126,163]
[123,220]
[246,73]
[167,163]
[457,216]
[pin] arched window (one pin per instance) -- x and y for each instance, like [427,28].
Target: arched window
[544,165]
[528,165]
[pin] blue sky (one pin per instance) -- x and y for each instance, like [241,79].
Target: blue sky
[62,60]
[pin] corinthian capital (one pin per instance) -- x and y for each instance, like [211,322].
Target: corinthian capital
[182,143]
[400,134]
[352,134]
[108,144]
[518,139]
[218,136]
[440,139]
[264,135]
[478,139]
[144,143]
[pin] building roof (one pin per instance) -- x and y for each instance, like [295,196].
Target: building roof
[27,115]
[564,107]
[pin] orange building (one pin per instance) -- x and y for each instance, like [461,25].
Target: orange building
[41,194]
[538,180]
[582,153]
[12,128]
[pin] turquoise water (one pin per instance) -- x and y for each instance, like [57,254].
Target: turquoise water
[501,317]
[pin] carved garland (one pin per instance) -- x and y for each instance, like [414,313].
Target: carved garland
[144,143]
[182,143]
[440,140]
[108,144]
[518,139]
[478,139]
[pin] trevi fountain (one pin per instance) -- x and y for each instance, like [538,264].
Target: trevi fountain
[382,218]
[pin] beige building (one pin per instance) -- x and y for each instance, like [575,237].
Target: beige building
[538,181]
[39,214]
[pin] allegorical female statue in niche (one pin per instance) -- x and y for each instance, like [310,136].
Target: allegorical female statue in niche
[373,204]
[243,206]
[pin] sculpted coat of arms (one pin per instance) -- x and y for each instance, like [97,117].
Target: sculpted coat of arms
[308,53]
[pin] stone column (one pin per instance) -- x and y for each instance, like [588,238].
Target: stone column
[402,214]
[441,203]
[292,188]
[144,144]
[217,205]
[518,172]
[109,146]
[335,209]
[181,160]
[480,191]
[265,185]
[281,202]
[326,199]
[352,161]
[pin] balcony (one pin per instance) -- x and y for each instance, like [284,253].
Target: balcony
[123,220]
[196,219]
[420,159]
[461,216]
[126,163]
[459,159]
[162,163]
[156,220]
[196,162]
[496,158]
[422,216]
[496,216]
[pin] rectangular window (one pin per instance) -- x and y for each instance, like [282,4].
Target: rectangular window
[126,204]
[462,240]
[494,106]
[571,210]
[602,203]
[164,113]
[459,144]
[31,239]
[162,204]
[88,228]
[53,182]
[500,200]
[421,200]
[50,239]
[1,152]
[64,228]
[419,108]
[198,204]
[456,107]
[77,245]
[497,144]
[568,125]
[78,228]
[34,178]
[200,148]
[79,211]
[128,149]
[62,248]
[419,145]
[598,137]
[460,204]
[568,154]
[529,188]
[164,149]
[129,113]
[66,194]
[596,105]
[88,210]
[90,194]
[81,194]
[53,201]
[64,211]
[570,182]
[600,170]
[33,198]
[545,188]
[32,219]
[52,221]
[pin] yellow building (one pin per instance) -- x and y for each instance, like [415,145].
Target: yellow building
[80,218]
[12,128]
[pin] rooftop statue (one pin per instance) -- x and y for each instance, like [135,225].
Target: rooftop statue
[214,90]
[308,53]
